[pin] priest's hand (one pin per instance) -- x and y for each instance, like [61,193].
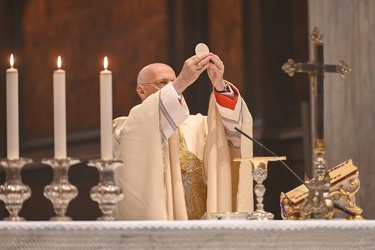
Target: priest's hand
[215,72]
[192,68]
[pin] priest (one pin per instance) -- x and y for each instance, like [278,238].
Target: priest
[178,166]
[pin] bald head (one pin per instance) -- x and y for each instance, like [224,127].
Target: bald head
[154,72]
[150,75]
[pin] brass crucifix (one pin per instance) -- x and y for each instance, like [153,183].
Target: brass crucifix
[317,201]
[316,69]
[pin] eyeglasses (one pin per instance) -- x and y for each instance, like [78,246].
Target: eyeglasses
[159,84]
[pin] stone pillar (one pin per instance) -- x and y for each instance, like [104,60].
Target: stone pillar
[348,30]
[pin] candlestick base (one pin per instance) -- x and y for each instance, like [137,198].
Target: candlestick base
[318,200]
[60,192]
[106,193]
[14,192]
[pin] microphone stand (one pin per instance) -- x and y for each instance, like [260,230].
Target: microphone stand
[335,204]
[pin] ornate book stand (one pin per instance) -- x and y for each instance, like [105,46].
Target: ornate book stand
[344,185]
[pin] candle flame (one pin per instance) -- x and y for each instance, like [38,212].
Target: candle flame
[59,62]
[105,62]
[11,60]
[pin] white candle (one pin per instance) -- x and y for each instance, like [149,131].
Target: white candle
[59,113]
[12,111]
[106,112]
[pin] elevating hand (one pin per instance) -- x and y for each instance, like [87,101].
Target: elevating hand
[192,68]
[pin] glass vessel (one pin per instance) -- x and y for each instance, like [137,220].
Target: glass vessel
[229,216]
[60,192]
[14,192]
[106,193]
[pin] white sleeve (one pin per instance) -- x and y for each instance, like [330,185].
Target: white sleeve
[231,119]
[172,112]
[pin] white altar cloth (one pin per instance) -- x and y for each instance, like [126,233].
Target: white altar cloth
[214,234]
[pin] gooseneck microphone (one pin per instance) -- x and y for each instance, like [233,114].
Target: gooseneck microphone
[261,145]
[336,205]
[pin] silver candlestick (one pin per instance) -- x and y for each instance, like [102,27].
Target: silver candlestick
[60,192]
[106,193]
[14,192]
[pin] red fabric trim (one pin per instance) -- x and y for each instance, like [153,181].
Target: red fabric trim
[226,101]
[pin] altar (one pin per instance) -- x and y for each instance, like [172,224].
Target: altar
[308,234]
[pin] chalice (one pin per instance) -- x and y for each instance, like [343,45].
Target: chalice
[259,172]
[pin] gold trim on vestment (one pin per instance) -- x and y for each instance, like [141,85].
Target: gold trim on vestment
[194,181]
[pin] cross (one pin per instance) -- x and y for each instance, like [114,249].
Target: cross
[316,70]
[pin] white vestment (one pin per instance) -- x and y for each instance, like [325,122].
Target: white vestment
[151,175]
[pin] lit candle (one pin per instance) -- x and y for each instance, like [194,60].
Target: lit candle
[59,113]
[106,112]
[12,111]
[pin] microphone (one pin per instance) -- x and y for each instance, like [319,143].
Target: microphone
[336,205]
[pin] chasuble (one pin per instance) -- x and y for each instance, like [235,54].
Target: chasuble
[178,166]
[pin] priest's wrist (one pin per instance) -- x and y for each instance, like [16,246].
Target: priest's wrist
[224,89]
[179,89]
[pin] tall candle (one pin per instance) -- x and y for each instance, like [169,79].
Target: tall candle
[59,112]
[12,111]
[106,112]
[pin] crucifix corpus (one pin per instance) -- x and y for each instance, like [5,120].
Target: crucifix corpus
[317,201]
